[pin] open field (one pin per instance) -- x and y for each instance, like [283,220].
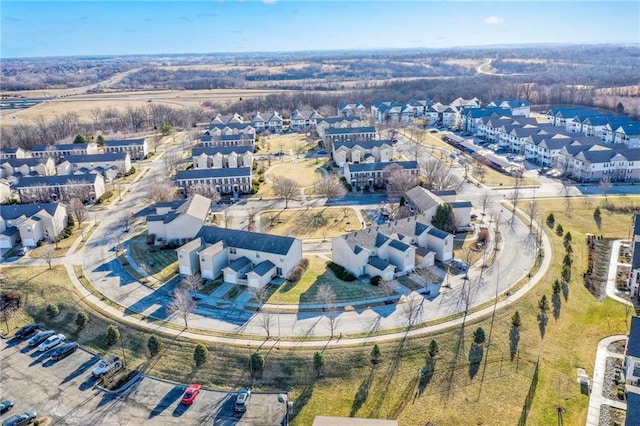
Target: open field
[305,172]
[289,143]
[162,264]
[321,222]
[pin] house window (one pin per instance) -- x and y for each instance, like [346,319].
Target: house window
[281,259]
[257,255]
[636,369]
[232,250]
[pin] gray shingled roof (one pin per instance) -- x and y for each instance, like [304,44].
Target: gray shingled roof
[61,147]
[247,240]
[239,264]
[438,233]
[14,211]
[263,268]
[399,245]
[633,345]
[223,150]
[213,173]
[349,130]
[422,198]
[55,180]
[367,144]
[373,167]
[19,162]
[107,156]
[123,142]
[378,263]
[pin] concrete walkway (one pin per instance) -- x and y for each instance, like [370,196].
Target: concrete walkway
[611,289]
[596,400]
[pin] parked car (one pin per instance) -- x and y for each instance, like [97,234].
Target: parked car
[322,152]
[21,419]
[51,342]
[41,336]
[459,265]
[5,406]
[474,216]
[26,331]
[241,401]
[467,228]
[190,394]
[22,251]
[65,350]
[106,365]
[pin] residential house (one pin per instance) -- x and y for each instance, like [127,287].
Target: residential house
[612,124]
[348,134]
[230,129]
[471,117]
[336,122]
[12,152]
[243,257]
[227,119]
[595,125]
[391,112]
[516,106]
[346,110]
[367,151]
[559,116]
[422,201]
[222,157]
[5,191]
[628,134]
[632,359]
[87,187]
[443,115]
[634,275]
[59,151]
[31,223]
[269,121]
[592,163]
[109,165]
[460,103]
[138,149]
[391,249]
[236,180]
[574,124]
[373,175]
[30,166]
[304,120]
[178,221]
[419,107]
[220,139]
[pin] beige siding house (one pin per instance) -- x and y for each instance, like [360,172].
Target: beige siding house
[178,222]
[243,257]
[31,223]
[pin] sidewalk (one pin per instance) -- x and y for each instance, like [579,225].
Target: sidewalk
[611,289]
[595,398]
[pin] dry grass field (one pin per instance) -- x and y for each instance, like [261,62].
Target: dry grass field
[324,222]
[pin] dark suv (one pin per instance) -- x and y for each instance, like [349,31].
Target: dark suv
[21,419]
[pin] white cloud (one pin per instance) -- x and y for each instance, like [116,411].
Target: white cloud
[493,20]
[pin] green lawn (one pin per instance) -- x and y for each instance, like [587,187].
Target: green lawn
[162,264]
[305,290]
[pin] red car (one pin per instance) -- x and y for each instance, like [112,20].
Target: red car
[191,393]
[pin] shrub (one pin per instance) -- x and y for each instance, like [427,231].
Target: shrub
[341,273]
[375,354]
[70,221]
[559,230]
[52,310]
[479,335]
[104,197]
[305,262]
[82,319]
[318,362]
[375,281]
[200,354]
[543,304]
[556,287]
[257,361]
[433,348]
[551,220]
[154,344]
[515,319]
[113,335]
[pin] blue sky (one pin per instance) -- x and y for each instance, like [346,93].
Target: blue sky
[55,28]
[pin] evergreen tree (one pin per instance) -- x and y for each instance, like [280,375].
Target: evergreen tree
[154,344]
[318,362]
[200,354]
[433,348]
[113,335]
[82,319]
[375,354]
[444,219]
[479,336]
[515,319]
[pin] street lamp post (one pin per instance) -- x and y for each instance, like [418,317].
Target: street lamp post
[283,398]
[124,357]
[250,364]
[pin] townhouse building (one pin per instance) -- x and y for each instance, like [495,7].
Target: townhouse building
[267,121]
[373,175]
[59,151]
[235,181]
[13,152]
[367,151]
[348,134]
[218,157]
[347,110]
[30,166]
[221,139]
[304,120]
[138,149]
[87,187]
[110,164]
[31,223]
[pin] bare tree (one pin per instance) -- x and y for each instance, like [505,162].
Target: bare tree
[77,208]
[605,186]
[137,117]
[532,210]
[411,307]
[170,162]
[161,190]
[327,298]
[285,188]
[76,188]
[388,287]
[485,199]
[416,149]
[328,186]
[182,305]
[260,295]
[428,274]
[438,176]
[47,255]
[35,194]
[192,283]
[398,180]
[206,190]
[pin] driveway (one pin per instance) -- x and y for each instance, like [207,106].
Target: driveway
[65,391]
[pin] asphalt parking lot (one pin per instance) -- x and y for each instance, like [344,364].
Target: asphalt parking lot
[65,392]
